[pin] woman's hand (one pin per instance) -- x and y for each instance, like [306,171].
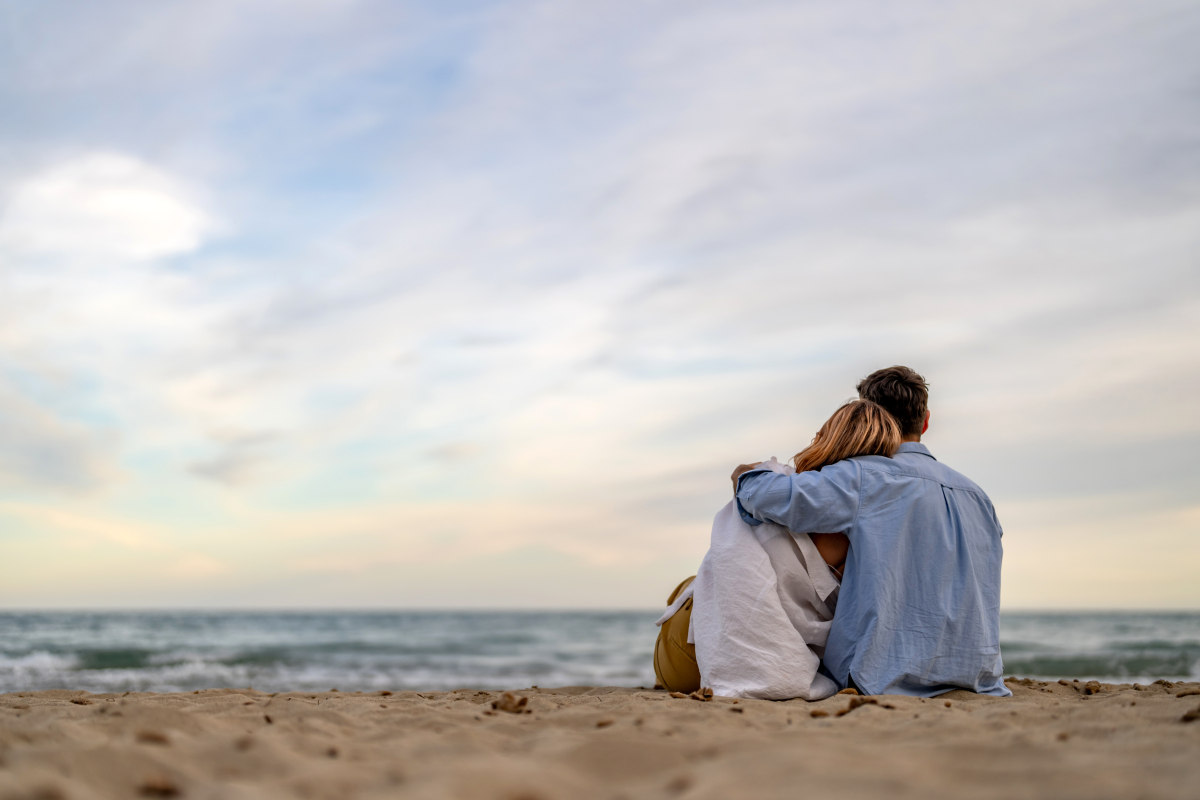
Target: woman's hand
[740,471]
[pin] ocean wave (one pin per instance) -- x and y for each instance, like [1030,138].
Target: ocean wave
[162,652]
[274,652]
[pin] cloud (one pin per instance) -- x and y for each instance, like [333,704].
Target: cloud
[87,528]
[506,279]
[454,451]
[239,459]
[41,450]
[102,206]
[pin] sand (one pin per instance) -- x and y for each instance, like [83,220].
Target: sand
[1050,740]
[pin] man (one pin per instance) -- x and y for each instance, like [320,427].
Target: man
[919,608]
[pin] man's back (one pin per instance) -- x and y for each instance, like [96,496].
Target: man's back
[919,608]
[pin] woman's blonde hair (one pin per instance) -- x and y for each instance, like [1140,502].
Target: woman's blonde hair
[859,428]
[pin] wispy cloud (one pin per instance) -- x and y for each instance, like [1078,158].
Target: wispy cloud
[44,450]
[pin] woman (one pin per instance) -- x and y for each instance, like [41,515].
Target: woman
[754,621]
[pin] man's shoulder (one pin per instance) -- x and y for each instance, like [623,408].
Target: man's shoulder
[921,467]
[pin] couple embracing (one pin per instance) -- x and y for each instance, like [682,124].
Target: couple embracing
[864,564]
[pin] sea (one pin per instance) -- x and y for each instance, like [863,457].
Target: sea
[163,651]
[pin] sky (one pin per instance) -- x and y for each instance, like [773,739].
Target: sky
[344,303]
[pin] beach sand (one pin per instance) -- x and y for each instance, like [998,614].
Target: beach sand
[1049,741]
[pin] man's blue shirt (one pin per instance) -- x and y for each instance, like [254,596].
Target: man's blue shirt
[919,608]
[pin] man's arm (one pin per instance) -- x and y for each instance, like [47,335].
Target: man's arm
[825,501]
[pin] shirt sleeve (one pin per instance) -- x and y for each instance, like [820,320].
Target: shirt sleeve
[808,502]
[995,518]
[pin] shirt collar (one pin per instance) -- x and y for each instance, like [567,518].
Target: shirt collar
[915,447]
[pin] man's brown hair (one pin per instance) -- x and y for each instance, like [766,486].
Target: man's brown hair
[902,392]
